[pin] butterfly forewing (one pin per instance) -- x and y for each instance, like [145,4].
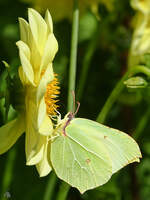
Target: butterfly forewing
[122,148]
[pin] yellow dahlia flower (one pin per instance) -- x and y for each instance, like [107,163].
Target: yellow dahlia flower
[37,49]
[141,36]
[63,9]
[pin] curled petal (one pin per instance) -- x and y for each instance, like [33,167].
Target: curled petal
[24,49]
[24,52]
[47,77]
[41,112]
[24,30]
[38,28]
[50,50]
[34,147]
[44,166]
[34,140]
[49,22]
[22,76]
[46,127]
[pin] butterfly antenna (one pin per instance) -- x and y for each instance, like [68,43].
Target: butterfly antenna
[74,100]
[78,106]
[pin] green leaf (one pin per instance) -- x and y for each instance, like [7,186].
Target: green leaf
[10,132]
[3,83]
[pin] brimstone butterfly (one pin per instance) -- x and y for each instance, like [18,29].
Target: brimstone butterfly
[87,153]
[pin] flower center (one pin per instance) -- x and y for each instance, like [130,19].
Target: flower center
[51,95]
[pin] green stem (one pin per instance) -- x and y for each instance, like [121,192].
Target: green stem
[118,89]
[73,56]
[64,187]
[111,99]
[50,186]
[63,191]
[8,172]
[86,64]
[141,125]
[7,175]
[139,69]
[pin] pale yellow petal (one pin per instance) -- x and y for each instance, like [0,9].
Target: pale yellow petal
[23,77]
[24,30]
[35,58]
[34,141]
[49,22]
[23,47]
[27,37]
[41,112]
[50,51]
[24,53]
[34,147]
[46,127]
[141,5]
[10,132]
[144,44]
[44,166]
[38,28]
[47,77]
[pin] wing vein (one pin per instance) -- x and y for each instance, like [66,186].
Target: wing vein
[92,152]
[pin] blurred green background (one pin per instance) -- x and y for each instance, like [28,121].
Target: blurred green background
[105,42]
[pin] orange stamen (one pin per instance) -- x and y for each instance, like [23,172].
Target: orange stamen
[51,95]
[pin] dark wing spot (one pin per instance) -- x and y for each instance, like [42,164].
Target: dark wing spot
[88,161]
[105,136]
